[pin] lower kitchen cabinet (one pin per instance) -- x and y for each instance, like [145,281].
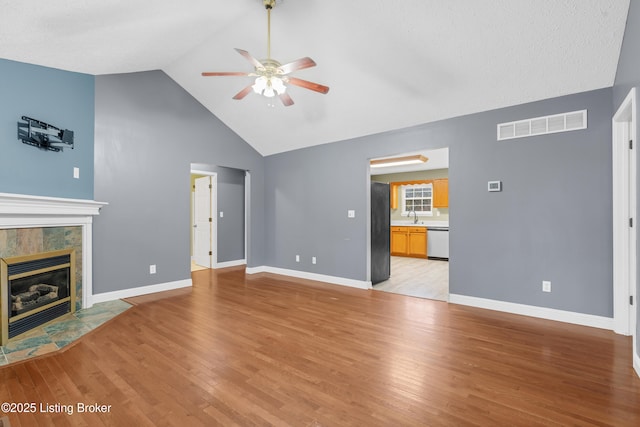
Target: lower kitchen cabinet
[409,241]
[399,240]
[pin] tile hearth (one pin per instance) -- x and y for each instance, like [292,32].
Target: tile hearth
[58,333]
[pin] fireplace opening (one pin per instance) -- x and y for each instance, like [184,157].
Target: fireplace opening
[35,289]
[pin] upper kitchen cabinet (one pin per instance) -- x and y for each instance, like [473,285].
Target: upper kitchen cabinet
[441,193]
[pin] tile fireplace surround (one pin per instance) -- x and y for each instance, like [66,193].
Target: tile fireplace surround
[36,223]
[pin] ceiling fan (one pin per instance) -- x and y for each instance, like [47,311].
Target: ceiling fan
[271,76]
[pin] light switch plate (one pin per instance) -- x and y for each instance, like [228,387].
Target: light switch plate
[76,173]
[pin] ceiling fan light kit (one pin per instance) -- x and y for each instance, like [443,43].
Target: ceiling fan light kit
[271,78]
[269,87]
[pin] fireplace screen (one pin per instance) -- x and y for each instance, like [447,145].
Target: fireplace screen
[36,289]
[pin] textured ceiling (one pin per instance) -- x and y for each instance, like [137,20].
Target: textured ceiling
[390,63]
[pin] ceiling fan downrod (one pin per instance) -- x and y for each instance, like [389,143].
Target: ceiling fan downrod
[269,4]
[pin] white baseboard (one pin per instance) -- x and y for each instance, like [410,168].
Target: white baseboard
[533,311]
[360,284]
[636,363]
[142,290]
[231,263]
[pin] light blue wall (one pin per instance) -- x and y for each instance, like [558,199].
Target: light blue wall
[627,77]
[552,221]
[62,99]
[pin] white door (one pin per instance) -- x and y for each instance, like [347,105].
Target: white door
[625,218]
[202,222]
[633,236]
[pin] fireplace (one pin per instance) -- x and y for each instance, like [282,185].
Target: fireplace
[37,224]
[35,289]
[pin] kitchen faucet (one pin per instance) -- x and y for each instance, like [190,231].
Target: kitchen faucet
[415,216]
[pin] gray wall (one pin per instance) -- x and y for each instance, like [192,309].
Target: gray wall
[62,99]
[148,132]
[308,193]
[551,222]
[231,225]
[628,76]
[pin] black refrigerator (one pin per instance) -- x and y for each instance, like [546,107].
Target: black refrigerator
[380,232]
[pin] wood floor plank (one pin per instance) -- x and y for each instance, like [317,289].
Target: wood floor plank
[270,350]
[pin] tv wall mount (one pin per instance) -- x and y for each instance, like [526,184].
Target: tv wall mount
[43,135]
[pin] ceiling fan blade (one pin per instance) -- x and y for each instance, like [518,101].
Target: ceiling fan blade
[250,58]
[244,92]
[298,64]
[286,99]
[308,85]
[224,73]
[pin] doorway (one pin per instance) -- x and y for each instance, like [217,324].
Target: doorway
[220,209]
[624,125]
[423,271]
[203,220]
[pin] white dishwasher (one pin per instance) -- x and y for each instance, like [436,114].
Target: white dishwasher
[438,243]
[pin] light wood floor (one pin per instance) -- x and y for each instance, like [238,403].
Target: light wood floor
[267,350]
[196,267]
[424,278]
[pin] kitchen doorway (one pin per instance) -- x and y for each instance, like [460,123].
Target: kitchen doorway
[418,252]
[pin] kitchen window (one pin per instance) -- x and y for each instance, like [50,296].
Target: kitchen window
[418,199]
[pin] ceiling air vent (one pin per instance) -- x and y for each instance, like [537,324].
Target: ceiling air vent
[565,122]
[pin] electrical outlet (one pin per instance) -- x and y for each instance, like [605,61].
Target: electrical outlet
[546,286]
[351,214]
[152,269]
[313,260]
[297,258]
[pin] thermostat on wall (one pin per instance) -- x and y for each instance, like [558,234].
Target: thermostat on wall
[494,186]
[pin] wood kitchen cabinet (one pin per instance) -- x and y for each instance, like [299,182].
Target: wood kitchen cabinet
[441,193]
[417,242]
[399,240]
[409,241]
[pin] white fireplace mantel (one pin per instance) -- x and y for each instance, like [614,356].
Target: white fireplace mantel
[25,211]
[21,204]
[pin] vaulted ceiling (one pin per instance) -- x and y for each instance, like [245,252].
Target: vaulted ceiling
[389,63]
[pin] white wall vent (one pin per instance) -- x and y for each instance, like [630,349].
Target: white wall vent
[565,122]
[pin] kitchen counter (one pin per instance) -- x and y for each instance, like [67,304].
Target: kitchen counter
[421,223]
